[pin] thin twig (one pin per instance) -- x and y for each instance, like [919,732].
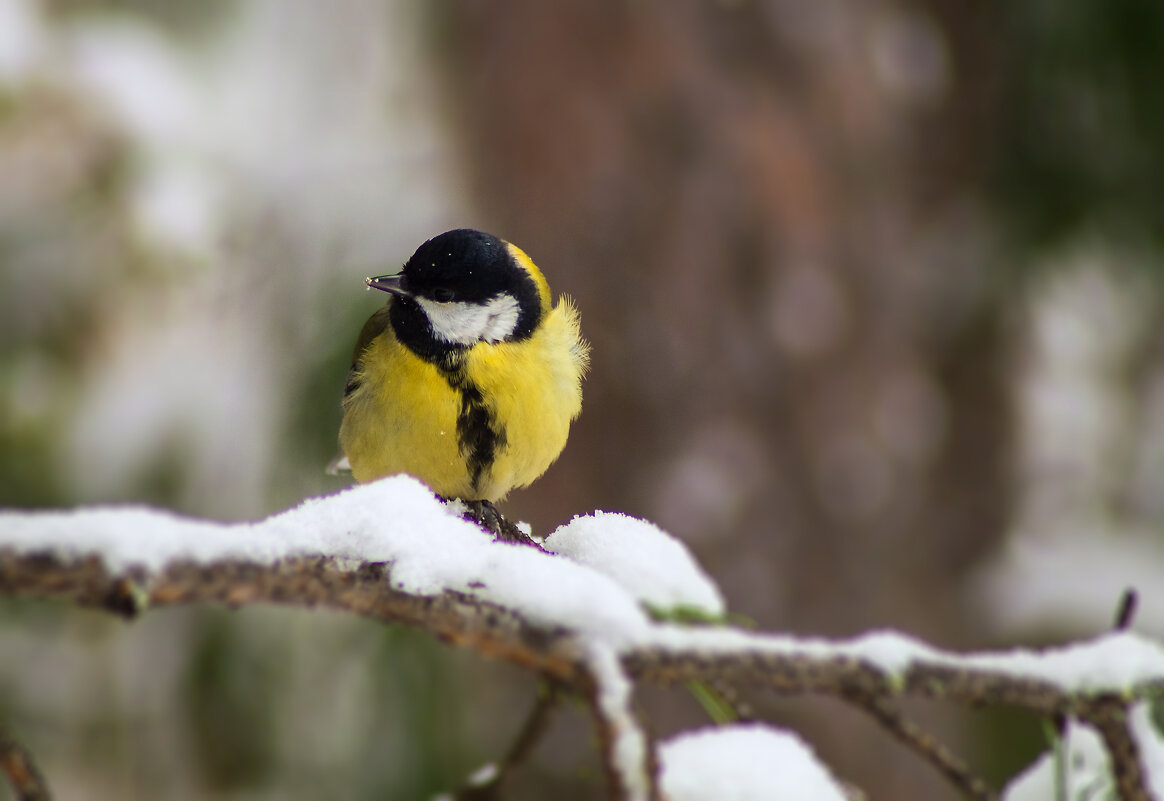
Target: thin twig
[922,743]
[631,767]
[1108,715]
[1126,611]
[536,724]
[16,762]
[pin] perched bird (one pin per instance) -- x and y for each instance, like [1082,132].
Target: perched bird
[469,377]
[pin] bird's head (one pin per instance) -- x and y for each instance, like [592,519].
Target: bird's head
[465,287]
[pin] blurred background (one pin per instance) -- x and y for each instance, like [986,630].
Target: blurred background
[873,290]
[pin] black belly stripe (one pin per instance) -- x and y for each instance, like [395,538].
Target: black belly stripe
[479,435]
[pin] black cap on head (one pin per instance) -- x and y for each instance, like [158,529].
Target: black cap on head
[462,265]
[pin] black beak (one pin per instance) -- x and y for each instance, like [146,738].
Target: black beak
[388,283]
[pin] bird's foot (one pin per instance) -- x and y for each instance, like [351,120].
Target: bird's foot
[488,517]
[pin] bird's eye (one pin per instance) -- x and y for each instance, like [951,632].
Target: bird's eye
[442,295]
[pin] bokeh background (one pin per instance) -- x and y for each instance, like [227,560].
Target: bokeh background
[873,289]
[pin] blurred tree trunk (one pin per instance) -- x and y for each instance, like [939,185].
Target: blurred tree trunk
[769,215]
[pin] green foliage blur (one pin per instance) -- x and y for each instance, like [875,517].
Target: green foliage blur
[1080,121]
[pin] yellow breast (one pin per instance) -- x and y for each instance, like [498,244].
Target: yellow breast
[409,416]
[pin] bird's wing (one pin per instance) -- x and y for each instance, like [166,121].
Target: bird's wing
[372,329]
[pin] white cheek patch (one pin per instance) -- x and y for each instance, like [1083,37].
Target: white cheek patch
[466,323]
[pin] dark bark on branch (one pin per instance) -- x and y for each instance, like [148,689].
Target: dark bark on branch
[464,620]
[606,730]
[535,726]
[1108,715]
[884,711]
[24,776]
[316,581]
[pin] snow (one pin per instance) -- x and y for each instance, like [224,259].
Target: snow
[483,775]
[396,520]
[1084,766]
[629,744]
[742,763]
[614,564]
[604,569]
[891,651]
[1110,662]
[646,561]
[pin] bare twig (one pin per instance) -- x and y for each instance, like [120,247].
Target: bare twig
[882,709]
[17,763]
[1108,715]
[549,696]
[1126,611]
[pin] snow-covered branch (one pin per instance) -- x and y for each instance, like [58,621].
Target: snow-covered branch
[575,616]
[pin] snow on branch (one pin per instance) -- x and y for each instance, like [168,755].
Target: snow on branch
[576,616]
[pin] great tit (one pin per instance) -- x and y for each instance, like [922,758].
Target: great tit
[469,377]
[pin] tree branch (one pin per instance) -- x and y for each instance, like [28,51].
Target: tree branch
[490,787]
[23,774]
[882,709]
[456,618]
[838,676]
[1108,715]
[569,659]
[631,771]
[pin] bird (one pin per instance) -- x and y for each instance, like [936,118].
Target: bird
[469,377]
